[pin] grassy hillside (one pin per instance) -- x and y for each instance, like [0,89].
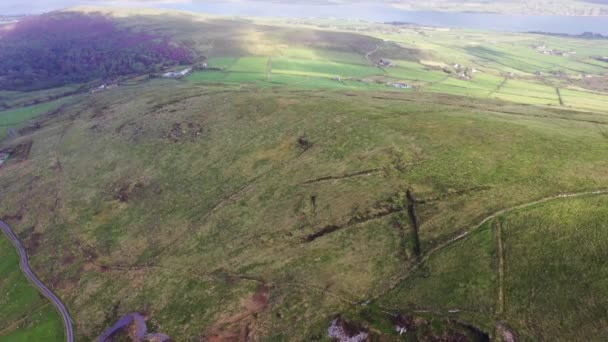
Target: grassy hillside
[290,185]
[257,189]
[532,269]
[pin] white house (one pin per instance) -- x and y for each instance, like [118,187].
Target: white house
[174,74]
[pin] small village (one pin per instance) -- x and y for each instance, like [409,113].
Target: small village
[179,74]
[171,74]
[400,85]
[542,48]
[462,72]
[105,86]
[602,59]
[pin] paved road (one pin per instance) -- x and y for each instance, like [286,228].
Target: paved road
[25,268]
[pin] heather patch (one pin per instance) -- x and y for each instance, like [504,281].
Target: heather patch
[61,48]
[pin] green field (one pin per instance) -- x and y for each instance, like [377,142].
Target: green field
[556,241]
[291,182]
[24,314]
[14,118]
[21,99]
[506,67]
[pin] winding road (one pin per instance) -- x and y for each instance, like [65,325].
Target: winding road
[25,268]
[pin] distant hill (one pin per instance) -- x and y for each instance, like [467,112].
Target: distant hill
[55,49]
[528,7]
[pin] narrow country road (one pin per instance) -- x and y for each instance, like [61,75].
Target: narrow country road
[25,268]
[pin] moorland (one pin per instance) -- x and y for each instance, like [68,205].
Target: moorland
[305,177]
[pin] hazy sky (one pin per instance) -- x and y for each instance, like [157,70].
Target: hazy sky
[38,6]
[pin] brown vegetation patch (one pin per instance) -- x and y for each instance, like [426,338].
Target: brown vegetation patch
[32,243]
[130,129]
[95,128]
[180,131]
[89,252]
[404,322]
[126,192]
[99,110]
[13,218]
[304,144]
[455,193]
[286,102]
[32,127]
[67,258]
[595,83]
[163,105]
[239,326]
[19,152]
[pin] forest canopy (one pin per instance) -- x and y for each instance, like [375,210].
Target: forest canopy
[55,49]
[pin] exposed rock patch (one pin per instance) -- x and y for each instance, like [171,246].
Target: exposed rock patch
[342,331]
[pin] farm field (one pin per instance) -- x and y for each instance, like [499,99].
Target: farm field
[18,116]
[24,313]
[477,64]
[451,182]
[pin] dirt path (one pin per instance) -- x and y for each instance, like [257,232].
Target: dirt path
[404,276]
[441,80]
[499,87]
[369,54]
[500,303]
[58,168]
[27,271]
